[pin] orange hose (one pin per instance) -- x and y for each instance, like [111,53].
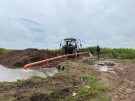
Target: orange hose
[51,59]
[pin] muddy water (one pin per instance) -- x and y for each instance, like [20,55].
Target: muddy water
[9,75]
[106,65]
[103,68]
[51,71]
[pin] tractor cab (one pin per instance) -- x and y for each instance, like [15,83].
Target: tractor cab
[70,45]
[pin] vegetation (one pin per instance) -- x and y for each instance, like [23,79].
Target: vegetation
[114,53]
[2,50]
[93,89]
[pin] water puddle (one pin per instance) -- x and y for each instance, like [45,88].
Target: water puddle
[105,66]
[10,75]
[51,71]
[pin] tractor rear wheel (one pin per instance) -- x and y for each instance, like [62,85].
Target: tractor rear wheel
[74,51]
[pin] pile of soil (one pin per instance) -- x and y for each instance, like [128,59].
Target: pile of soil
[19,58]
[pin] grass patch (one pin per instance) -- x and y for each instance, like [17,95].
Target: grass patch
[101,87]
[19,82]
[90,79]
[36,79]
[114,53]
[33,79]
[2,50]
[1,99]
[93,89]
[4,84]
[86,93]
[106,98]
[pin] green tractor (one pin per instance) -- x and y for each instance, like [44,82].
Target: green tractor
[70,45]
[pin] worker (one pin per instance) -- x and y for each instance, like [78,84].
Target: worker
[97,51]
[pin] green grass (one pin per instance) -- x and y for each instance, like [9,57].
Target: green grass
[2,50]
[93,89]
[33,79]
[114,53]
[4,84]
[89,79]
[19,82]
[36,79]
[1,99]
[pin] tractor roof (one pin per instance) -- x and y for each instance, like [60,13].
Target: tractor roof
[70,39]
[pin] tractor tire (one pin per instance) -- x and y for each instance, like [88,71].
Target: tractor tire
[75,51]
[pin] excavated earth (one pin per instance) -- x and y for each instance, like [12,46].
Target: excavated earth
[121,78]
[19,58]
[47,89]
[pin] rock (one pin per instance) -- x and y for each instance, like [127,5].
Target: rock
[74,94]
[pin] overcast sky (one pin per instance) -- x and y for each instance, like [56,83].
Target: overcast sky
[43,23]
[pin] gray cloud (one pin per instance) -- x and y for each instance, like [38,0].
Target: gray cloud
[43,23]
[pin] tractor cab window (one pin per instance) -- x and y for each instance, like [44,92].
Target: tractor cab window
[73,43]
[70,43]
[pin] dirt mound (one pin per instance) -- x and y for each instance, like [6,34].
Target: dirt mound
[19,58]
